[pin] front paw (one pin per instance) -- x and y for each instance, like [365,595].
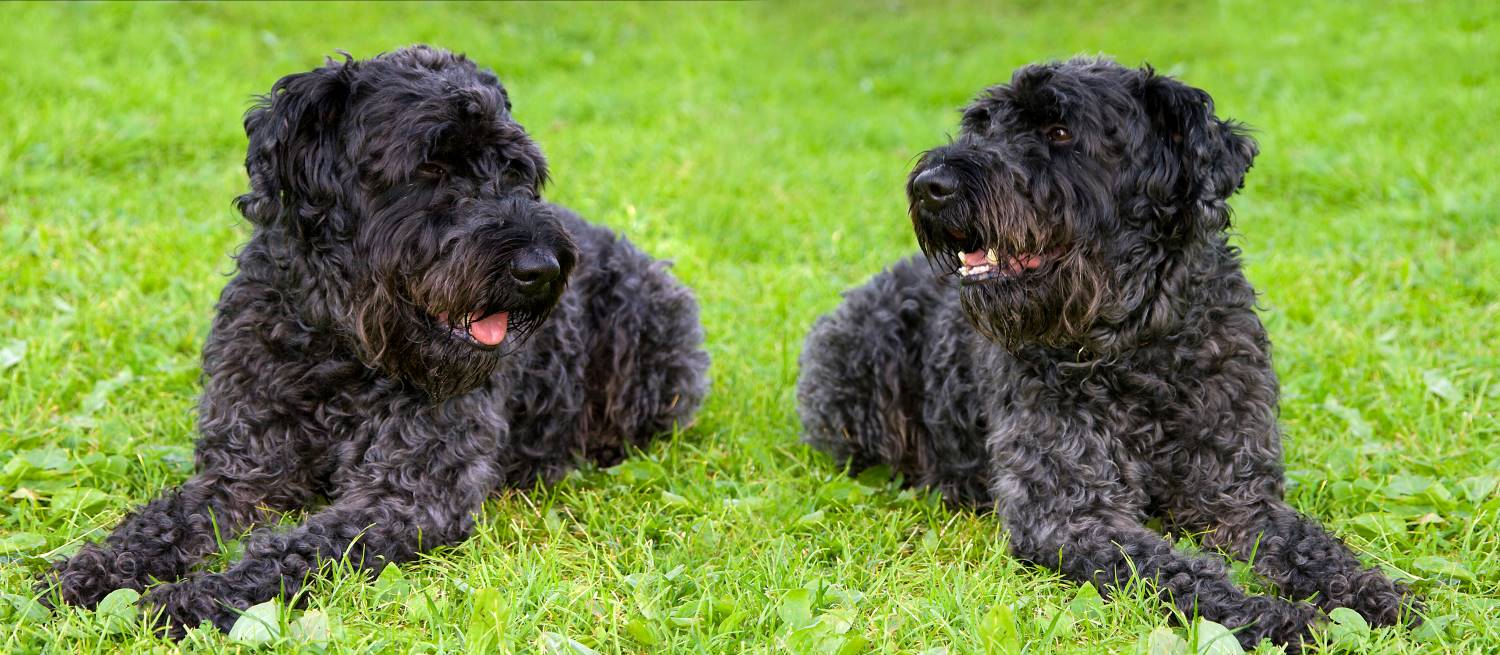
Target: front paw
[1285,623]
[1379,599]
[175,607]
[87,577]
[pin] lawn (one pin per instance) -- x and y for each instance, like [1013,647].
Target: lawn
[763,148]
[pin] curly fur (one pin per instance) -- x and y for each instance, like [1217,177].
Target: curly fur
[1115,370]
[387,195]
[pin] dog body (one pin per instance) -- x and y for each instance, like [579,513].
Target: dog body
[1078,349]
[410,330]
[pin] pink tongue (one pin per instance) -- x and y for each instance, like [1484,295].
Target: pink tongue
[975,258]
[489,330]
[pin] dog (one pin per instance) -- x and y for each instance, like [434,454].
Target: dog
[411,328]
[1077,348]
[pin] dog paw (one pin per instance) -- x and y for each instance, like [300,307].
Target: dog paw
[1284,623]
[86,578]
[1383,601]
[175,607]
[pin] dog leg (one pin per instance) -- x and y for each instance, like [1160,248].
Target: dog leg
[414,500]
[158,541]
[877,385]
[1237,502]
[1061,498]
[638,367]
[1306,562]
[1109,553]
[654,348]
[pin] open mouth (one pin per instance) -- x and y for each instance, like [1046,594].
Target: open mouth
[482,331]
[987,265]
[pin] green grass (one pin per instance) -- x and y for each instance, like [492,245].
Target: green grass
[762,147]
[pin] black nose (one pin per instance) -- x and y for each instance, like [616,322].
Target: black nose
[535,271]
[935,187]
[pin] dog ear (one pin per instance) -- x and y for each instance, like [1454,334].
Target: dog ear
[1196,161]
[291,160]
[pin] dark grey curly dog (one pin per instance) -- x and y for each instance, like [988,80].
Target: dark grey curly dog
[1080,351]
[411,329]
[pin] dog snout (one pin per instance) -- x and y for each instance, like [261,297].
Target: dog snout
[535,271]
[935,187]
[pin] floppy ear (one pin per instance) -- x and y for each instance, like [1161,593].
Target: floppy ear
[293,148]
[1195,161]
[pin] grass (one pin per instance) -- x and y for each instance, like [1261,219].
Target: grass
[762,147]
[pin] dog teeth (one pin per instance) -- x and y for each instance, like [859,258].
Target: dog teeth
[991,257]
[969,271]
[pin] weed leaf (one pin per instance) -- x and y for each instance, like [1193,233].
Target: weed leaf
[258,625]
[117,612]
[1215,639]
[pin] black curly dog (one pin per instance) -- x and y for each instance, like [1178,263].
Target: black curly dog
[1080,351]
[410,329]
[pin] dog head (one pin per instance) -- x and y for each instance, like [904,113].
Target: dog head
[1069,193]
[412,199]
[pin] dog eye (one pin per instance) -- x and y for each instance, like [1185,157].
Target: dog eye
[1058,134]
[432,169]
